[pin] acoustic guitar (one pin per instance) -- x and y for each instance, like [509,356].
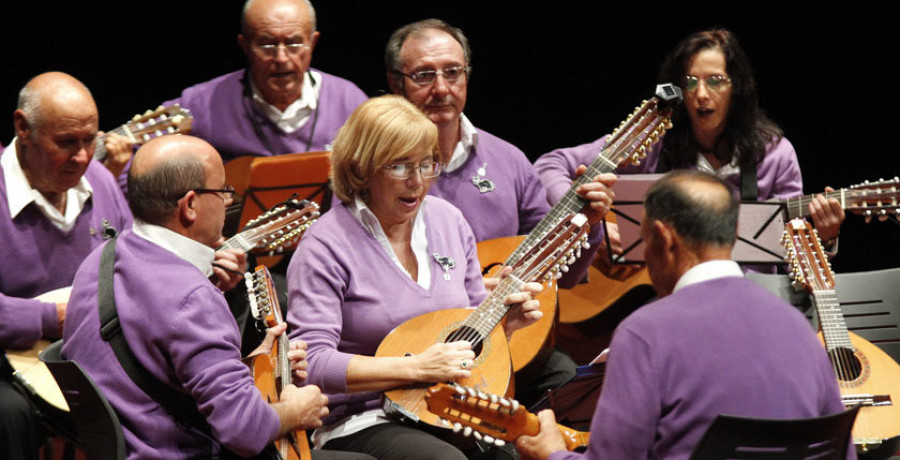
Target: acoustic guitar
[866,375]
[490,372]
[869,199]
[491,418]
[272,372]
[140,129]
[627,144]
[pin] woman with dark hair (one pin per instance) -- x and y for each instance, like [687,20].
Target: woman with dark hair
[720,129]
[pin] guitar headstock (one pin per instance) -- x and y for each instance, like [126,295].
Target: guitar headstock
[264,305]
[281,227]
[491,418]
[630,142]
[173,119]
[874,199]
[550,257]
[810,269]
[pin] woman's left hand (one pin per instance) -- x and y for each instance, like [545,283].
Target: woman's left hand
[524,308]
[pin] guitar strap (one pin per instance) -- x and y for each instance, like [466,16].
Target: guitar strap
[181,406]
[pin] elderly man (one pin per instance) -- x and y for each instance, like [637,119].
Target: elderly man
[279,104]
[56,205]
[183,335]
[663,386]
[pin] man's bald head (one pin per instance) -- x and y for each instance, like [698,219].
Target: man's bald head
[164,170]
[54,93]
[255,10]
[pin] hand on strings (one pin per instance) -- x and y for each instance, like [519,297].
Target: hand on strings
[118,152]
[599,194]
[827,215]
[445,361]
[301,407]
[229,266]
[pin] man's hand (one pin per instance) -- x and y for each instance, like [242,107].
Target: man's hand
[547,441]
[301,408]
[827,215]
[118,153]
[228,268]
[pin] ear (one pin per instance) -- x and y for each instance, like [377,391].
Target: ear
[393,85]
[245,45]
[665,238]
[21,125]
[313,41]
[187,209]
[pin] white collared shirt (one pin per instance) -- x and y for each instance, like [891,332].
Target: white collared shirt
[298,112]
[714,269]
[419,240]
[468,140]
[20,193]
[724,171]
[194,252]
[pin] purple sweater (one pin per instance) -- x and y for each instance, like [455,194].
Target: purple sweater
[346,294]
[224,116]
[778,176]
[179,327]
[38,257]
[677,363]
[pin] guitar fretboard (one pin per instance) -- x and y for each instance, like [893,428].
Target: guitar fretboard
[831,319]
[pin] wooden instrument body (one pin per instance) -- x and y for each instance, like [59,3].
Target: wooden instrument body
[536,340]
[491,370]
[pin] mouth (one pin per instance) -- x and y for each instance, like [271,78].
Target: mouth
[410,201]
[704,112]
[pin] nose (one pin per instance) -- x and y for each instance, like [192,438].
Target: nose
[702,92]
[281,53]
[441,86]
[415,178]
[84,153]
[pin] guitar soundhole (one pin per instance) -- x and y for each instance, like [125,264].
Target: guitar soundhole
[846,364]
[469,334]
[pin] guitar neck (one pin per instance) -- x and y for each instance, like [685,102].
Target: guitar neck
[799,206]
[490,312]
[831,319]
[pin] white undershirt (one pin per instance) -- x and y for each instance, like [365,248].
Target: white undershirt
[298,112]
[194,252]
[20,194]
[468,140]
[707,271]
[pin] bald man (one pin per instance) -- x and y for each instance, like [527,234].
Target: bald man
[279,104]
[713,343]
[176,321]
[56,205]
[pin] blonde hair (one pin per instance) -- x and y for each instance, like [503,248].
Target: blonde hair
[379,131]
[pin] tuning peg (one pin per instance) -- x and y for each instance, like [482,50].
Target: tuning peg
[148,112]
[514,406]
[477,435]
[444,422]
[499,442]
[489,439]
[457,427]
[472,392]
[494,398]
[504,402]
[467,431]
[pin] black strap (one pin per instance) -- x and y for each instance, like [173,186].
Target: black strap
[181,406]
[749,187]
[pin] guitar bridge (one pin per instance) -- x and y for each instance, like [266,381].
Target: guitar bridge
[866,400]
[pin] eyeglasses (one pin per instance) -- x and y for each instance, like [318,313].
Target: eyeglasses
[226,194]
[427,77]
[713,82]
[403,171]
[270,50]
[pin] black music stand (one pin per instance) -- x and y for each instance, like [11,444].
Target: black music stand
[760,225]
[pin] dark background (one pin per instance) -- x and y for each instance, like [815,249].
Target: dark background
[560,74]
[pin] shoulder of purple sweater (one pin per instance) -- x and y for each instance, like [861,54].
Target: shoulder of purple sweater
[492,144]
[345,87]
[192,92]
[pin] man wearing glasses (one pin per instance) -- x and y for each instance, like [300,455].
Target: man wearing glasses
[278,104]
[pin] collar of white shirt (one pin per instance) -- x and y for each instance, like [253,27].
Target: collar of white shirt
[195,253]
[297,113]
[419,241]
[724,171]
[20,194]
[468,140]
[706,271]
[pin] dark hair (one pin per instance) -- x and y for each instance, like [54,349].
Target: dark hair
[747,129]
[700,215]
[153,195]
[392,60]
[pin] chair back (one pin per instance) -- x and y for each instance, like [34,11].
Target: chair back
[870,302]
[822,438]
[96,423]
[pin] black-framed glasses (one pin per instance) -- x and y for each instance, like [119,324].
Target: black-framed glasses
[403,171]
[226,193]
[270,50]
[427,77]
[713,82]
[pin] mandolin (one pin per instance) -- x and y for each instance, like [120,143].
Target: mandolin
[277,229]
[491,418]
[870,199]
[153,123]
[272,372]
[547,258]
[627,144]
[866,375]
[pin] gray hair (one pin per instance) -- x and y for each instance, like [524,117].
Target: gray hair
[309,6]
[153,195]
[394,63]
